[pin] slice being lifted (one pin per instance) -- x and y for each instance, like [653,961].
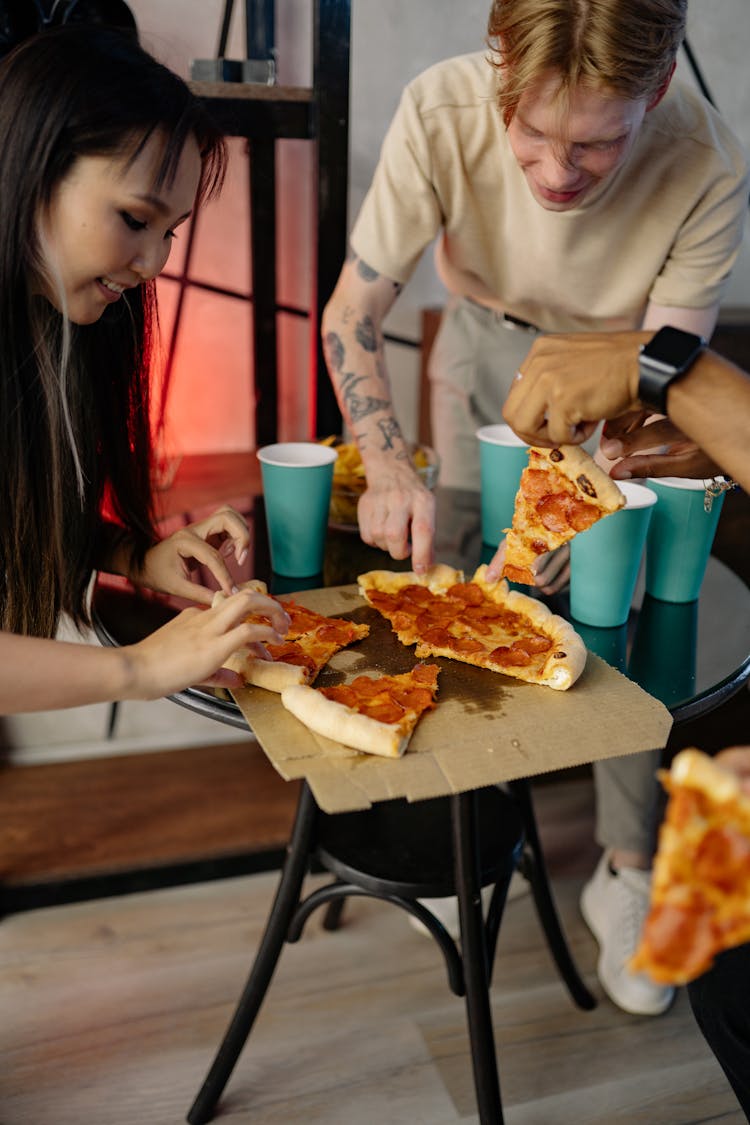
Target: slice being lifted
[562,491]
[477,622]
[310,643]
[374,714]
[700,892]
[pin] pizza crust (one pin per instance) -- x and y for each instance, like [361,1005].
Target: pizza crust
[438,578]
[273,675]
[336,721]
[568,659]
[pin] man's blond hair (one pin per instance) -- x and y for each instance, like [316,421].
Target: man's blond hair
[626,47]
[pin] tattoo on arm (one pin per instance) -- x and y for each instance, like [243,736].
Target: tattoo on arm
[367,273]
[366,334]
[390,429]
[333,349]
[360,406]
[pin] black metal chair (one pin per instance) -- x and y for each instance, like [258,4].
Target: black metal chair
[401,852]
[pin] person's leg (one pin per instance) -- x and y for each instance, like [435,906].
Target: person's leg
[615,901]
[720,1000]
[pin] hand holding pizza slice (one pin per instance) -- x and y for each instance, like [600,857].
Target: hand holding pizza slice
[562,491]
[700,892]
[311,641]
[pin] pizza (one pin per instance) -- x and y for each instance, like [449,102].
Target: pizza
[700,892]
[562,491]
[374,714]
[309,644]
[477,622]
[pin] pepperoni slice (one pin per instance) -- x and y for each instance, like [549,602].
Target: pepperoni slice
[466,645]
[532,644]
[337,632]
[535,485]
[426,674]
[510,657]
[552,512]
[582,515]
[520,574]
[437,636]
[290,653]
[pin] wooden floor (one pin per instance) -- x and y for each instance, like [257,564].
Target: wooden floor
[112,1011]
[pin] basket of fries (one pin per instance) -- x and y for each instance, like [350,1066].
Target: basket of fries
[349,480]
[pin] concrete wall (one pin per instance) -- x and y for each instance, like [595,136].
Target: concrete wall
[392,40]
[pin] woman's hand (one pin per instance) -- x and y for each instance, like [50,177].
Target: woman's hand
[191,648]
[168,566]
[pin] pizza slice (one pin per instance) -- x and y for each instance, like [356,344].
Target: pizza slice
[700,892]
[477,622]
[310,643]
[373,714]
[562,491]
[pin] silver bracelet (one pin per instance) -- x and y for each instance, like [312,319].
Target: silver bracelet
[716,487]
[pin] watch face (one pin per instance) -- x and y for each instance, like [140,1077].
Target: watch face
[672,349]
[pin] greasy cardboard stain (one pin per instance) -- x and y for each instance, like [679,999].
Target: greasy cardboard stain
[479,691]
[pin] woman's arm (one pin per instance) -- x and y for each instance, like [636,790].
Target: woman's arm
[39,675]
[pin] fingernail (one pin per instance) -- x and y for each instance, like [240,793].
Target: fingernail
[624,475]
[235,589]
[611,448]
[242,556]
[226,548]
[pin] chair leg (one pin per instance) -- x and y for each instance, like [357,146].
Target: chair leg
[333,914]
[284,906]
[476,967]
[535,870]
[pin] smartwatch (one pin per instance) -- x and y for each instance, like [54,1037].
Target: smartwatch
[666,357]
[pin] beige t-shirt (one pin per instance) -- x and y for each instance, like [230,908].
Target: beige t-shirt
[665,228]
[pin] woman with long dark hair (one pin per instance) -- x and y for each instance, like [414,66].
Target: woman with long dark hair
[105,152]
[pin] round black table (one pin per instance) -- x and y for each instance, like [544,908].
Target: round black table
[691,657]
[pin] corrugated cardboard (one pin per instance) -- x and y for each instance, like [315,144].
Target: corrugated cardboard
[487,728]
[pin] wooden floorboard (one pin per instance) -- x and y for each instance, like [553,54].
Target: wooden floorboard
[112,1011]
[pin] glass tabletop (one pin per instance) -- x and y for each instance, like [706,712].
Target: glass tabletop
[690,656]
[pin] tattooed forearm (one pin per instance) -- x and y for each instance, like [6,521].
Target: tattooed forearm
[390,429]
[333,349]
[367,273]
[349,382]
[366,334]
[360,406]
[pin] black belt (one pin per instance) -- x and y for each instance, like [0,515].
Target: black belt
[507,319]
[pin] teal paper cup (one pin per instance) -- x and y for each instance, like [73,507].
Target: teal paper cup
[502,458]
[680,538]
[297,479]
[605,560]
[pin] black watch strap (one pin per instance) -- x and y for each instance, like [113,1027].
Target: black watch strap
[666,357]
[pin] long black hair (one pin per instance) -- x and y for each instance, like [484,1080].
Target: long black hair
[74,400]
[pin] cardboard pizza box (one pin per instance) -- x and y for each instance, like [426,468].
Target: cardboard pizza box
[487,728]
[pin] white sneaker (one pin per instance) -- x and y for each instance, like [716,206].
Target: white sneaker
[614,907]
[446,909]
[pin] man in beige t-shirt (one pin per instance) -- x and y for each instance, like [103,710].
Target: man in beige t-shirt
[570,188]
